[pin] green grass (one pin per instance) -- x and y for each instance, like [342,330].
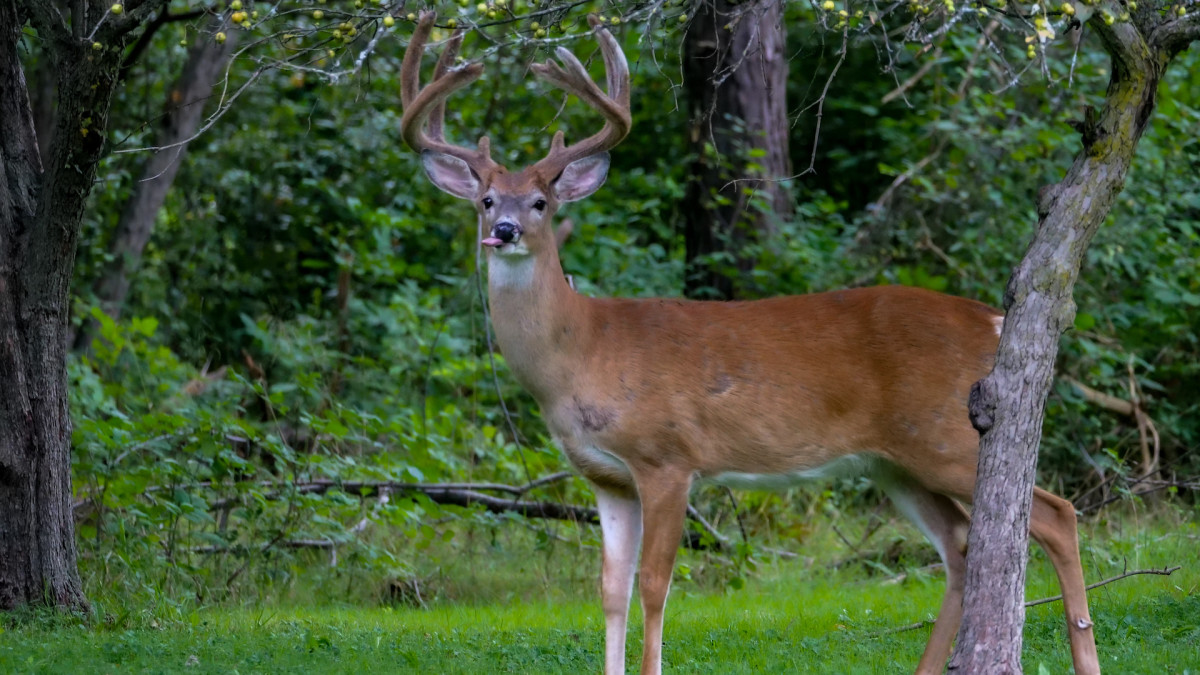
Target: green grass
[515,612]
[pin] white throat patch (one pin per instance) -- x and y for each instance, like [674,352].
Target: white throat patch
[510,271]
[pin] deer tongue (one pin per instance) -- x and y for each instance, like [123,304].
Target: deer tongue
[492,241]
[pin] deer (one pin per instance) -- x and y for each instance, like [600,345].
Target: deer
[649,397]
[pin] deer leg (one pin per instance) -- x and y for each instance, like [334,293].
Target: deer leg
[621,526]
[664,494]
[945,524]
[1054,528]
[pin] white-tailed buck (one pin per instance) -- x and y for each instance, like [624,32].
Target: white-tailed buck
[647,397]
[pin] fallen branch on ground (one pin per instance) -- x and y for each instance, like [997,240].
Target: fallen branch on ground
[1166,571]
[322,485]
[447,494]
[1187,484]
[286,543]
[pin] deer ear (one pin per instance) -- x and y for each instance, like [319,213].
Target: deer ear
[581,178]
[451,174]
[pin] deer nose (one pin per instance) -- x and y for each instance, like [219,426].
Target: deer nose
[505,231]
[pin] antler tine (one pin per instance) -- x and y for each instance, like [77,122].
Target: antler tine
[618,76]
[410,67]
[572,78]
[437,116]
[427,105]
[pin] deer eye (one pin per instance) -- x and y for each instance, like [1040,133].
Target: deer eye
[487,202]
[540,205]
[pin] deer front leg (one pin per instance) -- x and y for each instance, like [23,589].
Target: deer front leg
[945,523]
[664,494]
[621,527]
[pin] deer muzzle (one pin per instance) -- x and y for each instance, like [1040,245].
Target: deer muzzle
[503,232]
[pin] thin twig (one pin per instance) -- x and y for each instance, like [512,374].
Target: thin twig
[1166,571]
[694,514]
[901,629]
[914,78]
[812,159]
[1164,485]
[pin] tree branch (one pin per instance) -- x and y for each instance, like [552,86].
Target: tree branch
[143,42]
[550,510]
[321,486]
[287,543]
[1099,398]
[136,14]
[1123,41]
[812,159]
[45,18]
[77,12]
[930,62]
[1157,487]
[1147,429]
[450,494]
[1172,37]
[1167,571]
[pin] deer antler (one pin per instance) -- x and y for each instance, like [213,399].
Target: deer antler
[428,104]
[572,78]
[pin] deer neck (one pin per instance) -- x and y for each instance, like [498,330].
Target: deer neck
[539,321]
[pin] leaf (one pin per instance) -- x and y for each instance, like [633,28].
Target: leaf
[1084,321]
[145,325]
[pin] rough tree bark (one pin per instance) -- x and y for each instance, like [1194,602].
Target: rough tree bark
[735,76]
[42,100]
[1007,406]
[40,213]
[181,118]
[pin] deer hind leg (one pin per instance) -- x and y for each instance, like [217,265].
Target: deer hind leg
[664,494]
[945,524]
[621,526]
[1054,528]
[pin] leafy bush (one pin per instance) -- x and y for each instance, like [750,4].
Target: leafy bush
[310,310]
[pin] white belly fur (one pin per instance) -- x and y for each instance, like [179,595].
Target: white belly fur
[846,465]
[595,456]
[592,457]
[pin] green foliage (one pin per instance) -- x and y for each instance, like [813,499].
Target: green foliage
[310,308]
[318,318]
[945,199]
[196,487]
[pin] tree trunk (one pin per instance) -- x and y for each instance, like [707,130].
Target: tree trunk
[1007,405]
[43,104]
[182,115]
[735,75]
[40,215]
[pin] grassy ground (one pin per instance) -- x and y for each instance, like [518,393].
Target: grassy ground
[533,613]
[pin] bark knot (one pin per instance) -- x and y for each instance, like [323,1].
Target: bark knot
[1046,198]
[981,405]
[1089,127]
